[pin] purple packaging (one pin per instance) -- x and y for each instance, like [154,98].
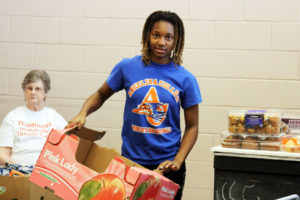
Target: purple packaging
[254,119]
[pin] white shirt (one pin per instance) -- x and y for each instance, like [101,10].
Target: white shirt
[26,132]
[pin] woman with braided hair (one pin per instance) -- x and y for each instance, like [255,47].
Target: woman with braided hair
[156,87]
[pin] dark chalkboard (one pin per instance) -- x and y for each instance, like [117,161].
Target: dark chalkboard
[231,185]
[253,185]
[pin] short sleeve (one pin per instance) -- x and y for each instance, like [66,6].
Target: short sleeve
[61,123]
[7,132]
[191,94]
[116,80]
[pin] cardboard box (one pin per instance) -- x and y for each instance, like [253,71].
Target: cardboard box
[20,188]
[16,187]
[141,183]
[71,158]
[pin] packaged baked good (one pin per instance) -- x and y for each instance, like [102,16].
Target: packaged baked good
[236,121]
[290,143]
[254,122]
[254,119]
[271,143]
[272,122]
[284,127]
[231,140]
[250,142]
[290,122]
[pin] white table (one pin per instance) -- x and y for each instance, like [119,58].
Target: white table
[274,155]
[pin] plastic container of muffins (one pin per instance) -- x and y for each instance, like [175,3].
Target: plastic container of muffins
[265,122]
[251,141]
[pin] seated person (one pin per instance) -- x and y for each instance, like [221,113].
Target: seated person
[24,130]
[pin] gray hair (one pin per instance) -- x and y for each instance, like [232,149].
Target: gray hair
[36,75]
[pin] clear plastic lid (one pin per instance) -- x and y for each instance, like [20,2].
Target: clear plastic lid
[251,141]
[254,121]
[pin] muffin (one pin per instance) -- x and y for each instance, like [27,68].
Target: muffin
[240,128]
[232,129]
[236,121]
[272,122]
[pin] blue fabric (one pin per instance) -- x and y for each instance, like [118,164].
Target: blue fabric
[154,94]
[22,169]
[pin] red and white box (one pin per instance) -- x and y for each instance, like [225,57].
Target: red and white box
[71,163]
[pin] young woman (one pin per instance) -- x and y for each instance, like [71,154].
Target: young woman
[24,130]
[156,87]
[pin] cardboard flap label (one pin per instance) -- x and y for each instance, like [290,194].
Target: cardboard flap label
[118,167]
[55,136]
[132,176]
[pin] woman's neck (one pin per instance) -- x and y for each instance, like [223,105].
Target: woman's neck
[35,106]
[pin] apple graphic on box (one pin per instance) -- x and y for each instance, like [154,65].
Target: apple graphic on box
[148,189]
[103,187]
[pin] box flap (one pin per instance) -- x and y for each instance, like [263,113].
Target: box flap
[118,167]
[99,158]
[86,133]
[55,137]
[83,150]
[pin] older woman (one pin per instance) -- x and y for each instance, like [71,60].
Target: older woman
[24,130]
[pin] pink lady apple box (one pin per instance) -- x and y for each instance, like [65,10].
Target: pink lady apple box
[141,183]
[70,158]
[59,167]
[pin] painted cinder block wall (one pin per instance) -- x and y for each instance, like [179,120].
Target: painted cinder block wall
[244,53]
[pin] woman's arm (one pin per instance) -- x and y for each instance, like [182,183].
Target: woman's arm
[189,139]
[93,103]
[5,153]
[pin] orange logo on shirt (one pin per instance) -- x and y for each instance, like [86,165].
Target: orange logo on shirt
[152,108]
[34,129]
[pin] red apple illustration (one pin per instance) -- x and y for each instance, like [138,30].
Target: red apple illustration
[148,189]
[103,187]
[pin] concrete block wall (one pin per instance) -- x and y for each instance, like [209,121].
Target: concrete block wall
[244,53]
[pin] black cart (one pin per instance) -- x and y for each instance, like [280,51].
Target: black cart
[242,174]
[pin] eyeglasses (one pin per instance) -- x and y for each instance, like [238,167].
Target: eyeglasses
[37,89]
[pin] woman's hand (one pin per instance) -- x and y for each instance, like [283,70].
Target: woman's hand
[5,153]
[78,121]
[167,166]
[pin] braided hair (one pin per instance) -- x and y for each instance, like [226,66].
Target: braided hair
[177,23]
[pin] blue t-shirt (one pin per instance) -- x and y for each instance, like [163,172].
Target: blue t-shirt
[151,127]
